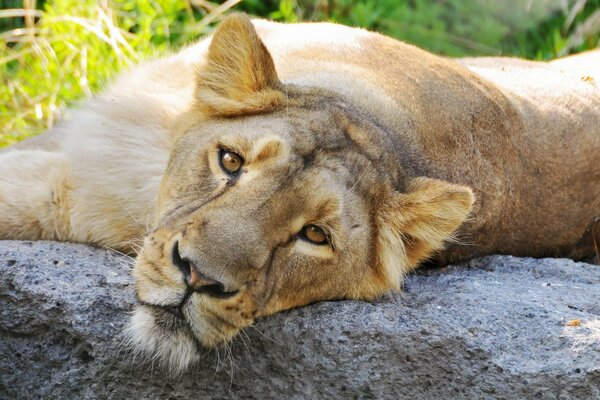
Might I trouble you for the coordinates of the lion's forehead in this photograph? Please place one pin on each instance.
(313, 132)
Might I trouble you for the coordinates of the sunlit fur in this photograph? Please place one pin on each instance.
(399, 155)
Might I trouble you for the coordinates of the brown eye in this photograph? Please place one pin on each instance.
(230, 161)
(314, 234)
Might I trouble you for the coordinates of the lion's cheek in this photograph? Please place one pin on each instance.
(216, 322)
(290, 297)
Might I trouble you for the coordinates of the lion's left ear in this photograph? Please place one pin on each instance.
(415, 224)
(239, 76)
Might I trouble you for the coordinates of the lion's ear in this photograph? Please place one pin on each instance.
(239, 75)
(413, 225)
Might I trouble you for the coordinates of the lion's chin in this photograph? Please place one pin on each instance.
(175, 344)
(162, 338)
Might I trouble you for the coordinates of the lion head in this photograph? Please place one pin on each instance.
(277, 196)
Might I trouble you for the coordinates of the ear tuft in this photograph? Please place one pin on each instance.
(415, 224)
(239, 76)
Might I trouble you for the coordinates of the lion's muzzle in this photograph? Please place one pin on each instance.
(184, 304)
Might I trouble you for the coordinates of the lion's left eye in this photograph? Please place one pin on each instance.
(314, 234)
(230, 162)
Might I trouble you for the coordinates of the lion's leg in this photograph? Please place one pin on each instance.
(34, 195)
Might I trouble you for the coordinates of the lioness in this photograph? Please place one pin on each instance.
(277, 165)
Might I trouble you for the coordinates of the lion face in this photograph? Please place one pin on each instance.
(274, 199)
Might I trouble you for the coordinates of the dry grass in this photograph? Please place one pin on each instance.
(72, 48)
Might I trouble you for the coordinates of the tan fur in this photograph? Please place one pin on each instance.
(413, 225)
(399, 155)
(239, 76)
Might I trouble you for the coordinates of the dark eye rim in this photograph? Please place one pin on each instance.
(302, 235)
(222, 151)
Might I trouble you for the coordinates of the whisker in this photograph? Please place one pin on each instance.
(136, 247)
(138, 222)
(229, 353)
(118, 252)
(246, 334)
(148, 223)
(218, 361)
(358, 180)
(264, 335)
(244, 341)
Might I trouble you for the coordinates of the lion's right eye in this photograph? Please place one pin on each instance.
(314, 234)
(230, 162)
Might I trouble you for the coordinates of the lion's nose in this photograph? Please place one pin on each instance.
(196, 281)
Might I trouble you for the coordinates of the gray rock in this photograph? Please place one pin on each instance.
(497, 327)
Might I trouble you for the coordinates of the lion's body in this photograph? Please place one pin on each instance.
(524, 136)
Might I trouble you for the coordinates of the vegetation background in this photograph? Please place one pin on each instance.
(55, 52)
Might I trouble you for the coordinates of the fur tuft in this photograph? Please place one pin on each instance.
(175, 351)
(414, 225)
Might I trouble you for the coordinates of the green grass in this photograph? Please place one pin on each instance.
(534, 29)
(71, 48)
(64, 50)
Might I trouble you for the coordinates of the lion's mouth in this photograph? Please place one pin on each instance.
(175, 311)
(168, 318)
(197, 316)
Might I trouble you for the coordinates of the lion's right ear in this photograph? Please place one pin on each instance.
(239, 76)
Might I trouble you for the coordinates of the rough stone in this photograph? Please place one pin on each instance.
(496, 327)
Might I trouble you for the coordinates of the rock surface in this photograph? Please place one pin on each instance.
(497, 327)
